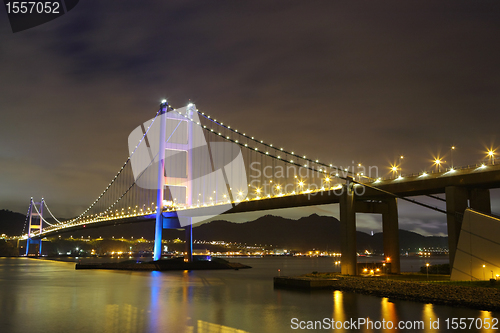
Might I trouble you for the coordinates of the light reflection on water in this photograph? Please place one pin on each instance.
(48, 296)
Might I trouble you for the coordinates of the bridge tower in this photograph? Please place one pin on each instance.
(169, 180)
(34, 223)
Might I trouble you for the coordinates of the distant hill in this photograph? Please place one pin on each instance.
(306, 233)
(11, 223)
(314, 231)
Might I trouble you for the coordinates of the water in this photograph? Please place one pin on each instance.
(49, 296)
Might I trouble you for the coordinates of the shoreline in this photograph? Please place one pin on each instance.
(176, 264)
(481, 298)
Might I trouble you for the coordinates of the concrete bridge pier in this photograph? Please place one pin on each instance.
(188, 257)
(458, 199)
(349, 206)
(480, 200)
(348, 231)
(390, 228)
(388, 207)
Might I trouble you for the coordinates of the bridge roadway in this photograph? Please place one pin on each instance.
(463, 188)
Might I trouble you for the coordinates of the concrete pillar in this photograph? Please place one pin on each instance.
(348, 232)
(189, 243)
(456, 203)
(480, 200)
(390, 228)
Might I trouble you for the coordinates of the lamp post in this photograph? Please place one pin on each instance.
(427, 267)
(401, 165)
(394, 169)
(451, 155)
(484, 274)
(491, 154)
(438, 164)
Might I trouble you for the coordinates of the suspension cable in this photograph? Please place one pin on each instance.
(27, 215)
(41, 217)
(120, 171)
(311, 161)
(52, 215)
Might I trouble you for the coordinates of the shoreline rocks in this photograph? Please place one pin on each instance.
(481, 298)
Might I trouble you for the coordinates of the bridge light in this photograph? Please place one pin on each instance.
(491, 154)
(437, 162)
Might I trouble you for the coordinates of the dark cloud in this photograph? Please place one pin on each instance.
(338, 81)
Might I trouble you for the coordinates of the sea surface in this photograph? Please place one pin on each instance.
(51, 296)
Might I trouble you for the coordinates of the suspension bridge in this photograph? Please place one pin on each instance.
(185, 167)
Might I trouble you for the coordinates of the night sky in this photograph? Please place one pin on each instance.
(362, 81)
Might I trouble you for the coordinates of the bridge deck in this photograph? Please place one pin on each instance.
(434, 183)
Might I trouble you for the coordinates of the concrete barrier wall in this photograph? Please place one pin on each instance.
(478, 250)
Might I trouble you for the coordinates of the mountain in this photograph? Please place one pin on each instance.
(306, 233)
(11, 223)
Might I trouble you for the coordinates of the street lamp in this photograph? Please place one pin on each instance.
(401, 165)
(438, 164)
(394, 169)
(427, 266)
(451, 155)
(301, 185)
(491, 154)
(484, 274)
